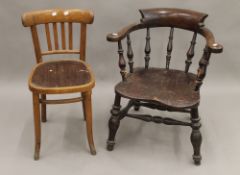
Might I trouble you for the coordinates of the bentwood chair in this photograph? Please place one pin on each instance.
(162, 88)
(62, 76)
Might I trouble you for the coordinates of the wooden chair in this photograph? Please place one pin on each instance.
(62, 76)
(162, 88)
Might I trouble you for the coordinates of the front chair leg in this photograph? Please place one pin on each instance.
(37, 125)
(88, 115)
(196, 137)
(114, 122)
(43, 109)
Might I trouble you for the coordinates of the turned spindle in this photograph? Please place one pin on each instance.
(169, 48)
(122, 62)
(147, 49)
(190, 52)
(130, 53)
(202, 70)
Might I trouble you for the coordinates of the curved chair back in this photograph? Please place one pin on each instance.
(58, 19)
(173, 18)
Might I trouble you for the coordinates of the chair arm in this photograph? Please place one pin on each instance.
(211, 44)
(114, 37)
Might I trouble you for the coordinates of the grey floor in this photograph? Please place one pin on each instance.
(142, 148)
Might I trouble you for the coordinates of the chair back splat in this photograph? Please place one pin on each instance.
(59, 23)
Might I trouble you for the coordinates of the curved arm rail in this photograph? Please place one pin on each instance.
(205, 32)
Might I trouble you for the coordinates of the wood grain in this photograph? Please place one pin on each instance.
(57, 15)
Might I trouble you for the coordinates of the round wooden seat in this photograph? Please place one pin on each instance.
(172, 88)
(61, 77)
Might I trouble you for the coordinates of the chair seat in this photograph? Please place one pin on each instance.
(172, 88)
(62, 76)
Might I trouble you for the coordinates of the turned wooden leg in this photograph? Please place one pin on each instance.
(88, 115)
(136, 106)
(84, 107)
(43, 109)
(37, 125)
(114, 122)
(196, 137)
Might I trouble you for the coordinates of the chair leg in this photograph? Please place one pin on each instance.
(196, 137)
(37, 125)
(84, 107)
(43, 109)
(137, 106)
(114, 122)
(88, 114)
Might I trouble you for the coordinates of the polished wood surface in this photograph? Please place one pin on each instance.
(60, 76)
(169, 17)
(171, 88)
(57, 15)
(164, 89)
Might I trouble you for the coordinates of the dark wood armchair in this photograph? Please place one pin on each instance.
(162, 88)
(62, 76)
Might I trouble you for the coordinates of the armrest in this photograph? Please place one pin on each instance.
(114, 37)
(211, 44)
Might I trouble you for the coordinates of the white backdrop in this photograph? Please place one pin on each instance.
(141, 147)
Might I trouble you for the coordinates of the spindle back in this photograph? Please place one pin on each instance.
(172, 18)
(57, 18)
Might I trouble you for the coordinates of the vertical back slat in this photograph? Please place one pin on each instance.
(63, 35)
(130, 53)
(190, 52)
(55, 32)
(36, 44)
(169, 48)
(70, 36)
(47, 30)
(147, 49)
(83, 42)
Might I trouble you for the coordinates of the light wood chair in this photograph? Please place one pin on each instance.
(62, 76)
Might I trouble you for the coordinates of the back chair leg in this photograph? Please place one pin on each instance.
(137, 106)
(114, 122)
(37, 125)
(84, 107)
(88, 114)
(196, 137)
(43, 109)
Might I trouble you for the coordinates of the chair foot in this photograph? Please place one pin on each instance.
(36, 155)
(44, 120)
(197, 159)
(137, 106)
(93, 150)
(110, 145)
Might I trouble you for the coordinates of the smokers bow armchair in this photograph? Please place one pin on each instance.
(162, 88)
